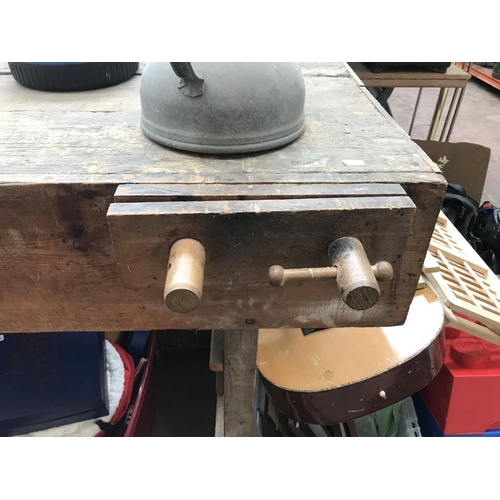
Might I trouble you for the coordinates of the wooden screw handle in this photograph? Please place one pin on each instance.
(185, 270)
(278, 276)
(356, 278)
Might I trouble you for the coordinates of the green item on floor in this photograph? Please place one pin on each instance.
(382, 423)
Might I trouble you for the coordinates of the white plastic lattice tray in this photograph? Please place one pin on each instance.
(464, 283)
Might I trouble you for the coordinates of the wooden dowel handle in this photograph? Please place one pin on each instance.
(355, 278)
(185, 270)
(279, 276)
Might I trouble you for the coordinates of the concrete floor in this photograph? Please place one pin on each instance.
(478, 122)
(185, 406)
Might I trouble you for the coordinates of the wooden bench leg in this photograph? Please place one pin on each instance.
(240, 353)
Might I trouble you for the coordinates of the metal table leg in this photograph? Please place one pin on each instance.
(415, 111)
(455, 114)
(438, 111)
(381, 95)
(384, 95)
(449, 114)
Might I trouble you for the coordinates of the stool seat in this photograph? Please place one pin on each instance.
(339, 374)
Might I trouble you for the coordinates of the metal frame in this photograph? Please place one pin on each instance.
(457, 106)
(451, 114)
(478, 73)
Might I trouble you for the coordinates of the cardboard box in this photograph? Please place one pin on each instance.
(462, 163)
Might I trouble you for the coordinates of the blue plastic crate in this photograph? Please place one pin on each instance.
(430, 428)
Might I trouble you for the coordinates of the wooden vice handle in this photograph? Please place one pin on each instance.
(185, 270)
(356, 278)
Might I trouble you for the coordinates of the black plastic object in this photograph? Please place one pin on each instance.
(496, 71)
(307, 331)
(480, 225)
(461, 209)
(436, 67)
(485, 236)
(73, 76)
(487, 226)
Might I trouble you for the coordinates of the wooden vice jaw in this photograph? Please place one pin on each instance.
(356, 278)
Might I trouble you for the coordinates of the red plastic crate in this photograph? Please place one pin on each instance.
(144, 398)
(464, 398)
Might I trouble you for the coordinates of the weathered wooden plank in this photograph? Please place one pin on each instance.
(59, 271)
(96, 137)
(15, 97)
(79, 143)
(240, 353)
(96, 179)
(104, 305)
(219, 417)
(428, 199)
(243, 239)
(219, 383)
(127, 193)
(325, 69)
(217, 351)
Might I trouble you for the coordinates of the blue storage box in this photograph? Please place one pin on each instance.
(429, 427)
(51, 379)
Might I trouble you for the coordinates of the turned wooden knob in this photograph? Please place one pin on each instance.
(355, 277)
(185, 270)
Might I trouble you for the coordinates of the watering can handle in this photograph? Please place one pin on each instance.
(191, 84)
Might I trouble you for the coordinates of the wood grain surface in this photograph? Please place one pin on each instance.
(217, 351)
(243, 239)
(240, 353)
(127, 193)
(62, 157)
(95, 136)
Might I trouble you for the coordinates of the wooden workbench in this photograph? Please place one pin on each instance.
(63, 156)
